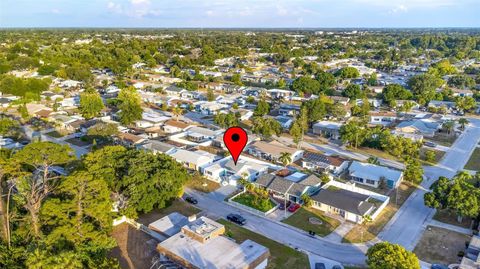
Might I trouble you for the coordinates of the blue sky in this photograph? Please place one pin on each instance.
(239, 13)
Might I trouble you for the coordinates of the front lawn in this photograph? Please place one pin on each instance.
(474, 161)
(438, 156)
(440, 245)
(177, 205)
(56, 134)
(443, 139)
(281, 256)
(202, 184)
(449, 217)
(256, 202)
(363, 233)
(305, 219)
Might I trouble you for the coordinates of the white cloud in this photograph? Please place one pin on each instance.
(398, 9)
(282, 11)
(140, 2)
(55, 11)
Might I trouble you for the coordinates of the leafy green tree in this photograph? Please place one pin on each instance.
(393, 92)
(236, 79)
(326, 80)
(262, 109)
(8, 127)
(353, 133)
(463, 122)
(430, 156)
(79, 213)
(130, 106)
(316, 109)
(448, 126)
(226, 120)
(467, 103)
(41, 157)
(347, 72)
(461, 81)
(90, 103)
(424, 87)
(442, 68)
(103, 129)
(392, 256)
(285, 158)
(413, 171)
(296, 132)
(266, 127)
(306, 85)
(353, 91)
(210, 95)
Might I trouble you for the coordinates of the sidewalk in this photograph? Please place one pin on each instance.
(340, 232)
(450, 227)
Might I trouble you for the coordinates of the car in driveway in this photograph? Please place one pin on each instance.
(430, 144)
(191, 200)
(320, 265)
(439, 266)
(293, 207)
(282, 205)
(236, 218)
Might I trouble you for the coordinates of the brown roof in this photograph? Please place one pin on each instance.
(130, 137)
(43, 113)
(178, 124)
(383, 113)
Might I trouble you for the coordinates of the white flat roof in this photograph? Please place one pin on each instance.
(219, 252)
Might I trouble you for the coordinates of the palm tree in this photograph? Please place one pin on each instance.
(448, 126)
(373, 160)
(285, 158)
(177, 111)
(463, 122)
(366, 220)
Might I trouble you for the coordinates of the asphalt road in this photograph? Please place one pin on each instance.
(344, 253)
(406, 227)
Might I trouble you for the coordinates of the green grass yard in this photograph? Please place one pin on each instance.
(250, 201)
(281, 256)
(301, 220)
(474, 161)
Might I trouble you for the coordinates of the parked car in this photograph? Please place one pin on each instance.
(320, 265)
(236, 218)
(293, 207)
(439, 266)
(191, 200)
(430, 144)
(282, 205)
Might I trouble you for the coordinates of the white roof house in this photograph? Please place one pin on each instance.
(226, 171)
(371, 174)
(195, 160)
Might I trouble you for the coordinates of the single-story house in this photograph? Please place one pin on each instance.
(157, 147)
(352, 206)
(272, 151)
(329, 129)
(194, 160)
(317, 161)
(173, 126)
(424, 127)
(372, 175)
(128, 139)
(225, 170)
(382, 118)
(281, 187)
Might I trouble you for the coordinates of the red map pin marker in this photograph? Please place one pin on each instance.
(235, 139)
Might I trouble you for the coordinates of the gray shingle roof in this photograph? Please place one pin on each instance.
(352, 202)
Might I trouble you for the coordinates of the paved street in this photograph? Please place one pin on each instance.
(404, 228)
(344, 253)
(407, 225)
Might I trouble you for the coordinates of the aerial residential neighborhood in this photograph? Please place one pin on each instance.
(352, 147)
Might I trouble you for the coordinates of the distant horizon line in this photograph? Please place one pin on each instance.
(246, 28)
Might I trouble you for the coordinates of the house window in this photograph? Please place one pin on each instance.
(371, 182)
(357, 179)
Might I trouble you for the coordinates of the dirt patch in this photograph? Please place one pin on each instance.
(135, 248)
(440, 245)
